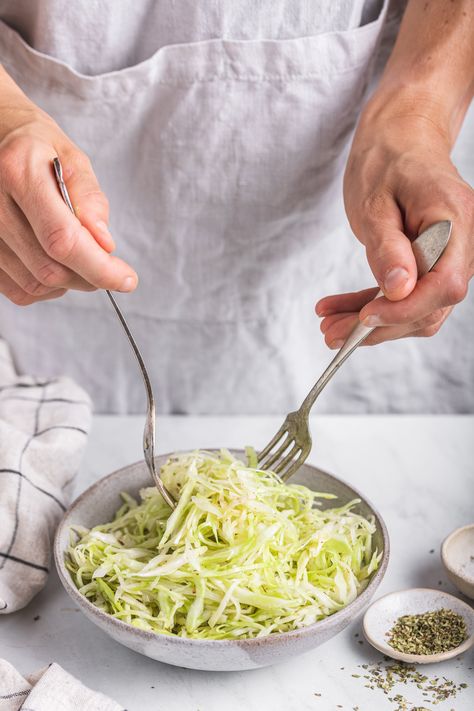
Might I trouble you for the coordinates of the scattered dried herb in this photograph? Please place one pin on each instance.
(428, 633)
(386, 675)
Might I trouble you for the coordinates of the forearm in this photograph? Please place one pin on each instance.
(16, 109)
(430, 73)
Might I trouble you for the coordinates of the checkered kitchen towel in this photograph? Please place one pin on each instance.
(51, 689)
(43, 431)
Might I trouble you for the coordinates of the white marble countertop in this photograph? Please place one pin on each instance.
(418, 472)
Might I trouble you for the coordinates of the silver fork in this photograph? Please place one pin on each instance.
(149, 430)
(291, 445)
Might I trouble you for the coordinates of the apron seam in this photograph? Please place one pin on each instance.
(250, 79)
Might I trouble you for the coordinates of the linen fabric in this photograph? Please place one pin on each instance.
(99, 36)
(43, 431)
(50, 689)
(221, 149)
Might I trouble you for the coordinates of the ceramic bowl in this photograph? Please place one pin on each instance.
(98, 505)
(457, 554)
(384, 612)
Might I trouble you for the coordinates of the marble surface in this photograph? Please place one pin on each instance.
(418, 471)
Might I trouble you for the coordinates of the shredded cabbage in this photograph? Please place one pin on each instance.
(242, 555)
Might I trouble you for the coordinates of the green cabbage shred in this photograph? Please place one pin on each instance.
(242, 555)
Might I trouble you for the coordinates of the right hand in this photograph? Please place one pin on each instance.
(44, 248)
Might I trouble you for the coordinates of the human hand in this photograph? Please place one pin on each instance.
(44, 248)
(399, 180)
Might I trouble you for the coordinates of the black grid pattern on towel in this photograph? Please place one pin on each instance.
(7, 555)
(45, 401)
(24, 562)
(15, 693)
(15, 386)
(35, 486)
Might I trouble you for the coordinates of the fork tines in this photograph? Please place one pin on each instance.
(281, 452)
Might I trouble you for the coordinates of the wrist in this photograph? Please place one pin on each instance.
(429, 73)
(16, 109)
(20, 120)
(414, 112)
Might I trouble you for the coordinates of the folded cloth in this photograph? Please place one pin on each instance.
(51, 689)
(43, 431)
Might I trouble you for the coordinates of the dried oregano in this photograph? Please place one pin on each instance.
(387, 676)
(428, 633)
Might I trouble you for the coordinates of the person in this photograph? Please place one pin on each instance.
(219, 134)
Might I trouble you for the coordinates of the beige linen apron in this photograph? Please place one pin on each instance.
(222, 161)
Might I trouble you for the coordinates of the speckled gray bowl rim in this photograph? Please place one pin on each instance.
(445, 554)
(418, 658)
(359, 602)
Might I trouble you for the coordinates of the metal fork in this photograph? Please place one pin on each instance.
(149, 430)
(291, 445)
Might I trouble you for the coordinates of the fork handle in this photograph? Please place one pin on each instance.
(358, 334)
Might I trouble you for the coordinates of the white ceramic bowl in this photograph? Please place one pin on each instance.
(457, 554)
(384, 612)
(98, 505)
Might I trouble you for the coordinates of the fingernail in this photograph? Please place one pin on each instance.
(395, 278)
(336, 344)
(373, 320)
(128, 284)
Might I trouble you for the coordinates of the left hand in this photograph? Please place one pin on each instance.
(399, 180)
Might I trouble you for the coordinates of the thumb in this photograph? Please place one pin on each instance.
(391, 260)
(89, 202)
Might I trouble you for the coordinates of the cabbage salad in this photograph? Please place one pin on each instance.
(242, 555)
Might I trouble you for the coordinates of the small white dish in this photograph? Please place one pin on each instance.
(457, 554)
(384, 612)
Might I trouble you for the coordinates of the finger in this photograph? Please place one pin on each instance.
(339, 330)
(433, 329)
(19, 296)
(19, 239)
(90, 204)
(429, 328)
(389, 251)
(16, 270)
(449, 198)
(445, 285)
(345, 302)
(328, 321)
(442, 195)
(63, 237)
(336, 332)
